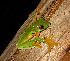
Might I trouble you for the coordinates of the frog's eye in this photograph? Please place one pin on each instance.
(41, 27)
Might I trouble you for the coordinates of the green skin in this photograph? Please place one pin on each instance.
(34, 27)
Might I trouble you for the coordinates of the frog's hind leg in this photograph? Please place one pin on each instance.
(50, 42)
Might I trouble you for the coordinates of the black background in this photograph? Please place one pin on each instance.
(13, 14)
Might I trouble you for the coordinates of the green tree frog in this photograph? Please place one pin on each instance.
(24, 41)
(35, 28)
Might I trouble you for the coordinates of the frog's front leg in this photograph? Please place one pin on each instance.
(37, 44)
(37, 34)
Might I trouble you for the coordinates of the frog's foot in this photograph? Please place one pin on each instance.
(38, 11)
(37, 44)
(50, 42)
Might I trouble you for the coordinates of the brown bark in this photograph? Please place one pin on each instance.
(60, 28)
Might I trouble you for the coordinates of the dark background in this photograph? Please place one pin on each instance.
(13, 14)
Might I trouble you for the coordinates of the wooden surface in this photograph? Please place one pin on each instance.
(60, 28)
(66, 57)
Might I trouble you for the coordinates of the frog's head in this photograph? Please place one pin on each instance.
(40, 25)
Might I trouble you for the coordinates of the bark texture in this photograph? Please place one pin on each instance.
(57, 13)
